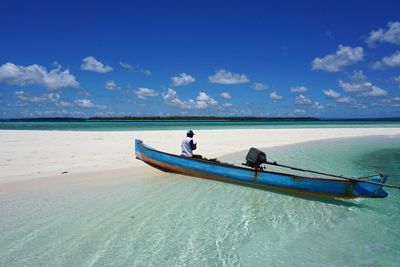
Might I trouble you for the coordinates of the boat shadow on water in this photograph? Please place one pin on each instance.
(315, 198)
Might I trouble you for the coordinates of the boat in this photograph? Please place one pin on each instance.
(255, 175)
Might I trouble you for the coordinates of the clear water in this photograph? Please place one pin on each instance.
(160, 219)
(179, 125)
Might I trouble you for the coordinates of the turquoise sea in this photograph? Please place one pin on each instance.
(145, 217)
(179, 125)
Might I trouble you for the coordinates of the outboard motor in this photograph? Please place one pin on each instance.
(255, 158)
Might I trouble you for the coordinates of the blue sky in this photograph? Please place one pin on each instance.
(224, 58)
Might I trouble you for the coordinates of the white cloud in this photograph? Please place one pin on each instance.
(300, 111)
(145, 72)
(397, 79)
(344, 56)
(298, 89)
(126, 65)
(344, 100)
(65, 103)
(25, 97)
(172, 99)
(388, 62)
(143, 93)
(389, 35)
(196, 104)
(394, 102)
(318, 105)
(203, 97)
(131, 68)
(55, 97)
(108, 114)
(301, 100)
(259, 86)
(182, 79)
(111, 85)
(331, 93)
(51, 113)
(202, 100)
(347, 100)
(227, 105)
(375, 91)
(52, 97)
(92, 64)
(36, 75)
(226, 77)
(206, 98)
(226, 95)
(275, 96)
(87, 103)
(360, 84)
(170, 95)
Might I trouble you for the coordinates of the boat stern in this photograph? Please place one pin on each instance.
(372, 190)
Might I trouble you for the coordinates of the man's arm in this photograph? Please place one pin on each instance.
(193, 146)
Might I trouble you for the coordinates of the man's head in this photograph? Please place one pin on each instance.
(190, 133)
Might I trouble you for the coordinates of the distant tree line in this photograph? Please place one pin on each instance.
(193, 118)
(202, 118)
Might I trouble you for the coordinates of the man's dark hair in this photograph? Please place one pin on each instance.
(190, 134)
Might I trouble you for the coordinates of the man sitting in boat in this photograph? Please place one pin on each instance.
(188, 146)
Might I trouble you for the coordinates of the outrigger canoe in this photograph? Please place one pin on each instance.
(343, 187)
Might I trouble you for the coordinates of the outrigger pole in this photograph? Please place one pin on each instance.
(274, 163)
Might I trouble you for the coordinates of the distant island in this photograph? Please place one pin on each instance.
(202, 118)
(193, 118)
(169, 118)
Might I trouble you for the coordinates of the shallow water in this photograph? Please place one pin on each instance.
(166, 219)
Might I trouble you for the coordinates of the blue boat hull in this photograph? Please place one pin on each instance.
(339, 188)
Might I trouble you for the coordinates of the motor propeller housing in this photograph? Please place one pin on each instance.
(255, 158)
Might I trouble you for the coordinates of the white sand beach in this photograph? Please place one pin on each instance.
(34, 154)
